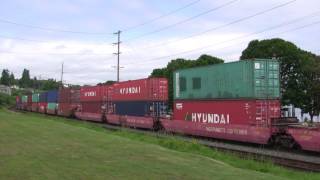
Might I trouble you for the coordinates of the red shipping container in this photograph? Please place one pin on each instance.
(248, 112)
(92, 93)
(29, 103)
(34, 107)
(239, 120)
(150, 89)
(67, 109)
(68, 95)
(91, 111)
(306, 137)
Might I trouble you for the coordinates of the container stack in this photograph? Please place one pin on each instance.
(43, 103)
(52, 99)
(29, 102)
(91, 103)
(24, 102)
(18, 102)
(69, 101)
(138, 103)
(35, 102)
(232, 88)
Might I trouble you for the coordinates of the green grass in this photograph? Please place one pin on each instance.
(34, 146)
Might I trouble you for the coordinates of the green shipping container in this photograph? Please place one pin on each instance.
(256, 78)
(52, 106)
(24, 99)
(35, 97)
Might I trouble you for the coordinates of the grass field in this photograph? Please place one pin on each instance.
(34, 146)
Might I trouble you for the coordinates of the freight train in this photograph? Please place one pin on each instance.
(237, 101)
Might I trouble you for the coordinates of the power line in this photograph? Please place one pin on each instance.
(51, 29)
(224, 25)
(161, 16)
(241, 37)
(62, 54)
(185, 20)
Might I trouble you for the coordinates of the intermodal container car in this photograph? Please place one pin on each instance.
(239, 120)
(150, 89)
(256, 79)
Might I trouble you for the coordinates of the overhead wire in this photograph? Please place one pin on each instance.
(161, 16)
(224, 25)
(184, 21)
(240, 37)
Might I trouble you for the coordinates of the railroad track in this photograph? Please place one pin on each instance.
(291, 160)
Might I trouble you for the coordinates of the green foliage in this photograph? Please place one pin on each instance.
(6, 100)
(5, 77)
(25, 81)
(12, 80)
(109, 82)
(297, 70)
(49, 84)
(176, 64)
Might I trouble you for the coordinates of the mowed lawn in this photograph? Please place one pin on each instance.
(39, 147)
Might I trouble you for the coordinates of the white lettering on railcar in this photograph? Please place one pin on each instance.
(90, 94)
(211, 118)
(130, 90)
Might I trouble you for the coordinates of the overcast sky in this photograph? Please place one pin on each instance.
(40, 34)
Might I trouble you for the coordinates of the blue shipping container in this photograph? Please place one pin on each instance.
(140, 108)
(43, 97)
(52, 96)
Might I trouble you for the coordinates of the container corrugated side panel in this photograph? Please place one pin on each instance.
(254, 112)
(24, 99)
(52, 96)
(222, 81)
(43, 97)
(35, 97)
(91, 107)
(51, 106)
(266, 78)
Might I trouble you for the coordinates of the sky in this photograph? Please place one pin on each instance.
(40, 35)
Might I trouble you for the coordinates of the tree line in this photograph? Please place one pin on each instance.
(299, 77)
(26, 81)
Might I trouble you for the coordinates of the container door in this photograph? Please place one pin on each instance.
(273, 79)
(260, 79)
(266, 110)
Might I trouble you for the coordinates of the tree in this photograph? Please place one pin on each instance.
(310, 85)
(182, 64)
(50, 84)
(5, 77)
(25, 81)
(12, 80)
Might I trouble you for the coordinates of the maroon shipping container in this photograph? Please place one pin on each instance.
(151, 89)
(92, 111)
(43, 107)
(67, 109)
(68, 95)
(29, 103)
(34, 107)
(239, 120)
(92, 93)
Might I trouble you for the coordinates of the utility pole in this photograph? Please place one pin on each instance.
(62, 75)
(118, 53)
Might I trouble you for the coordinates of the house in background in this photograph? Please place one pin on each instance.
(5, 89)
